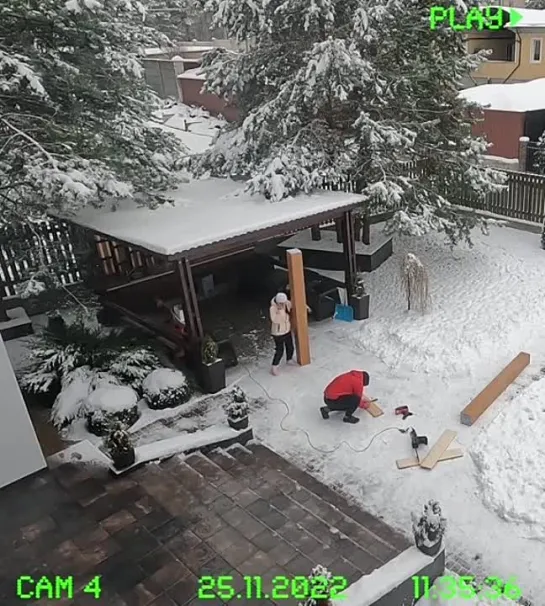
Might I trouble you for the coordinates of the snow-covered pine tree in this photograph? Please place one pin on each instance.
(74, 108)
(178, 19)
(330, 89)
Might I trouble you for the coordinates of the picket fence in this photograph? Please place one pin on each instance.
(523, 198)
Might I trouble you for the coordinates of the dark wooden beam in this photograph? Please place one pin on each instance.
(190, 303)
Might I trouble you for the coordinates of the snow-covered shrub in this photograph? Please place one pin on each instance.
(238, 395)
(429, 528)
(81, 341)
(69, 404)
(414, 279)
(209, 350)
(110, 404)
(165, 388)
(325, 576)
(359, 286)
(236, 410)
(119, 445)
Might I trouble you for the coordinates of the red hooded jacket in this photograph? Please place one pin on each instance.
(347, 384)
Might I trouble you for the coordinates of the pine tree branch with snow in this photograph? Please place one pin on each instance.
(337, 89)
(74, 108)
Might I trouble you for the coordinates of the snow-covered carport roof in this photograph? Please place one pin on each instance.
(210, 216)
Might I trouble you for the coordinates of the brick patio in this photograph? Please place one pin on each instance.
(152, 533)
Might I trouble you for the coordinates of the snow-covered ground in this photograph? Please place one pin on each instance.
(488, 305)
(194, 126)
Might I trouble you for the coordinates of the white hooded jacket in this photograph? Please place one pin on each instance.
(280, 318)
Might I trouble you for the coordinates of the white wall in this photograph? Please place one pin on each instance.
(20, 452)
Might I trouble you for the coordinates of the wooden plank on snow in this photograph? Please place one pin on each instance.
(453, 453)
(494, 389)
(438, 449)
(375, 410)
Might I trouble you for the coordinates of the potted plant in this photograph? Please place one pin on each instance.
(237, 410)
(212, 368)
(119, 446)
(318, 578)
(429, 529)
(359, 301)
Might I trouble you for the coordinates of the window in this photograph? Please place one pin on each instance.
(535, 50)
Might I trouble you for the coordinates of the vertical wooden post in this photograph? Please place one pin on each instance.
(299, 302)
(349, 251)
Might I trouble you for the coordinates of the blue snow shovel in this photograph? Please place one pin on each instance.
(343, 312)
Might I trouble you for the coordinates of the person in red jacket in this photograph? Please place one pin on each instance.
(345, 393)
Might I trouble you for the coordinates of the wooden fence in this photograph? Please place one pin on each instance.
(524, 198)
(21, 248)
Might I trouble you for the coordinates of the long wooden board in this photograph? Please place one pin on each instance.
(494, 389)
(438, 449)
(299, 301)
(453, 453)
(375, 410)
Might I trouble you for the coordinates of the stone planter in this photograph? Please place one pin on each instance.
(360, 305)
(123, 459)
(430, 550)
(238, 424)
(213, 376)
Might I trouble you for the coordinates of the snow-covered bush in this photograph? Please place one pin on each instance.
(209, 350)
(165, 388)
(97, 396)
(119, 445)
(325, 576)
(238, 395)
(429, 527)
(110, 404)
(236, 410)
(75, 386)
(81, 341)
(359, 286)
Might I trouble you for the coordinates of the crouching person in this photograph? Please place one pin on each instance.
(345, 394)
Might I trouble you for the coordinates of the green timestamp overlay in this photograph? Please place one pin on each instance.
(54, 587)
(282, 588)
(478, 18)
(465, 588)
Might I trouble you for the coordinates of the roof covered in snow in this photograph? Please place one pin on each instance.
(519, 97)
(207, 212)
(193, 74)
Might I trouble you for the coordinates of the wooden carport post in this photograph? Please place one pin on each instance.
(190, 303)
(349, 251)
(299, 303)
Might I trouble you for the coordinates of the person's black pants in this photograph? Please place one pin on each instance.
(346, 404)
(282, 343)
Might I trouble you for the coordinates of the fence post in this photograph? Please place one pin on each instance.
(523, 153)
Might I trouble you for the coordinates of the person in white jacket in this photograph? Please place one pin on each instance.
(279, 313)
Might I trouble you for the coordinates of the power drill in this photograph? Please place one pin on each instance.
(417, 441)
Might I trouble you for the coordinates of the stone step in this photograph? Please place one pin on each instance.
(306, 486)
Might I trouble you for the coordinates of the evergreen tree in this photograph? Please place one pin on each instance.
(177, 19)
(331, 89)
(74, 107)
